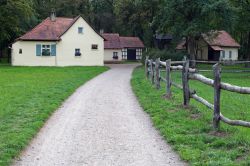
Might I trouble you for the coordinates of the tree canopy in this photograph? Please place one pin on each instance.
(14, 17)
(143, 18)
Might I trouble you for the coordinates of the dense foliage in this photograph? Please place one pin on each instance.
(164, 55)
(143, 18)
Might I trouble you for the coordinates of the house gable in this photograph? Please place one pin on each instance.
(86, 24)
(89, 44)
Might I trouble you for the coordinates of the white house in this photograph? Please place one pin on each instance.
(59, 41)
(118, 48)
(214, 46)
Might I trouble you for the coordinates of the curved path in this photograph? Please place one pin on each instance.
(101, 124)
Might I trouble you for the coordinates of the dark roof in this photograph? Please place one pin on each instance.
(163, 37)
(220, 38)
(114, 41)
(49, 30)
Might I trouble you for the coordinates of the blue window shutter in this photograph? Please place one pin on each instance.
(38, 50)
(53, 50)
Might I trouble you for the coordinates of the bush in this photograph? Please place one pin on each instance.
(164, 55)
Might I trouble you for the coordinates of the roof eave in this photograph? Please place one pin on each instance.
(112, 48)
(225, 46)
(38, 39)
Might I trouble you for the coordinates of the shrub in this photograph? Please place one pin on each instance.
(164, 55)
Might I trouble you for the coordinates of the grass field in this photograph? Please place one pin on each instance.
(28, 96)
(190, 131)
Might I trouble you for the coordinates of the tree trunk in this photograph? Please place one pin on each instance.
(248, 50)
(9, 55)
(1, 54)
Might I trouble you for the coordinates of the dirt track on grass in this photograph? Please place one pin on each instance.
(101, 124)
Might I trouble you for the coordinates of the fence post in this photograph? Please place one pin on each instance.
(157, 73)
(146, 68)
(168, 79)
(186, 95)
(152, 71)
(217, 92)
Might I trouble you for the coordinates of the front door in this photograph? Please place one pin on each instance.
(131, 54)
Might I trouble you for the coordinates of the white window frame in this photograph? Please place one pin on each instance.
(124, 53)
(138, 53)
(79, 51)
(94, 45)
(45, 47)
(80, 28)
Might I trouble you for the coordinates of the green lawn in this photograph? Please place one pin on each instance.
(190, 131)
(28, 96)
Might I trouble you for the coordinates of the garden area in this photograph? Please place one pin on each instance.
(28, 96)
(190, 131)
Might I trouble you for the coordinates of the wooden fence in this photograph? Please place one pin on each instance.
(153, 69)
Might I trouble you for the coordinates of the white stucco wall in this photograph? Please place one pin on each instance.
(203, 51)
(108, 54)
(65, 49)
(28, 56)
(227, 50)
(72, 40)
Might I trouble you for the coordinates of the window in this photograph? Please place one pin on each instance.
(46, 50)
(223, 54)
(124, 53)
(94, 47)
(230, 54)
(115, 55)
(77, 52)
(20, 51)
(80, 30)
(139, 53)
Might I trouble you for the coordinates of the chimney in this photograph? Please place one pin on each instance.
(101, 31)
(53, 15)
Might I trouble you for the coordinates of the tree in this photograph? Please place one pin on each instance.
(242, 26)
(102, 15)
(190, 19)
(14, 16)
(134, 17)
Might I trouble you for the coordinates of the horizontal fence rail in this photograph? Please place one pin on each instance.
(153, 71)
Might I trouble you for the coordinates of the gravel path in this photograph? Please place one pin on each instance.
(101, 124)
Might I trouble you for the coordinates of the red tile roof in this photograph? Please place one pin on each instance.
(114, 41)
(217, 48)
(131, 42)
(220, 38)
(49, 30)
(215, 39)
